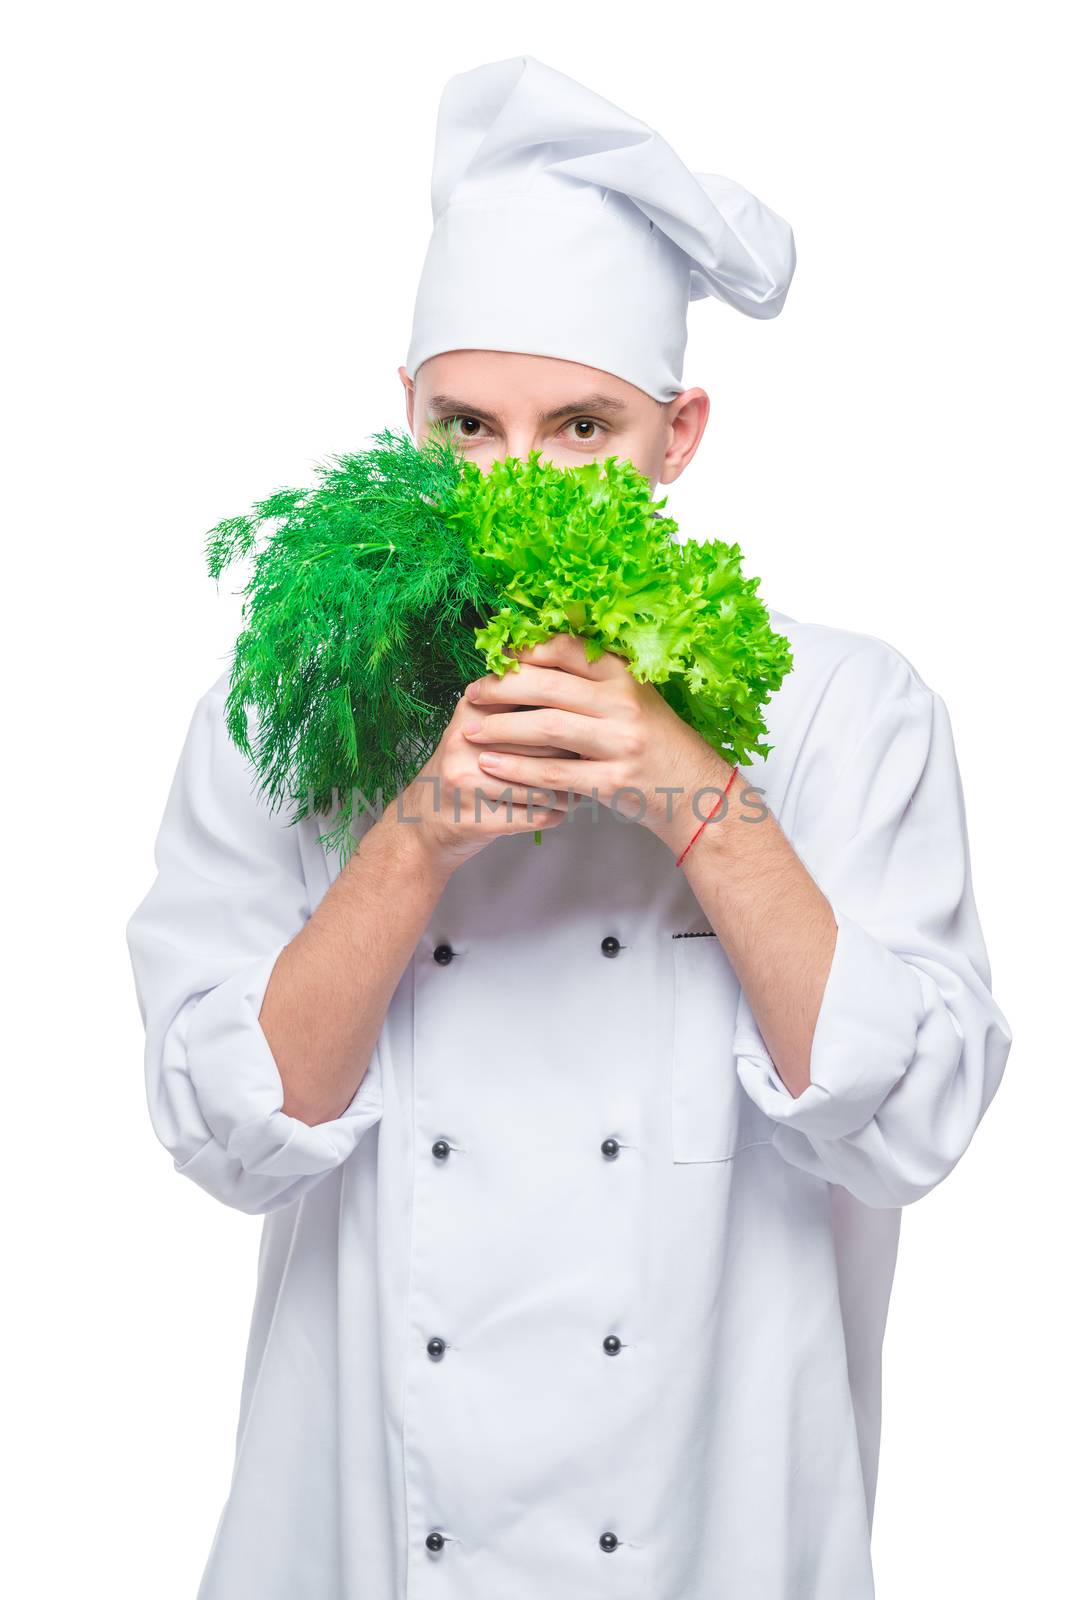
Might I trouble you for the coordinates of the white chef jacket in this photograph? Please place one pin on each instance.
(574, 1288)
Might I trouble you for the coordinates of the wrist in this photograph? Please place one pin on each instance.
(414, 840)
(703, 797)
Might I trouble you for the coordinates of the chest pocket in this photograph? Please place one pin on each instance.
(712, 1117)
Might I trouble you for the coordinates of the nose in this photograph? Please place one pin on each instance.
(518, 444)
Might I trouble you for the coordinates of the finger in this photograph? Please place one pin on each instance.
(535, 823)
(589, 737)
(531, 750)
(569, 651)
(492, 788)
(484, 714)
(463, 702)
(490, 796)
(463, 708)
(578, 777)
(530, 686)
(563, 651)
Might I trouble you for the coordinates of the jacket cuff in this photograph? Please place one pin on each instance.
(865, 1037)
(240, 1092)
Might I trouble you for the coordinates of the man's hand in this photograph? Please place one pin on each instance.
(635, 753)
(454, 807)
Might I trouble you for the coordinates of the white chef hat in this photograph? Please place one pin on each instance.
(565, 227)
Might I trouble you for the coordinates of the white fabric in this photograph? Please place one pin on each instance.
(565, 227)
(741, 1245)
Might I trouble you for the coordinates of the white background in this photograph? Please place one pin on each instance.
(217, 215)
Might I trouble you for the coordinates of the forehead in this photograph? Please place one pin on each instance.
(515, 384)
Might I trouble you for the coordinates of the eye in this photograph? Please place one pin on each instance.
(586, 422)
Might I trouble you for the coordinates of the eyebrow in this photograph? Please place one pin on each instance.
(446, 404)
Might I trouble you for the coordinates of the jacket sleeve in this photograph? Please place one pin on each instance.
(909, 1045)
(228, 896)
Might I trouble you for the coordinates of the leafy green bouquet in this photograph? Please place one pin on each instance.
(377, 595)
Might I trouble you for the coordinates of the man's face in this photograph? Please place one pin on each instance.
(504, 404)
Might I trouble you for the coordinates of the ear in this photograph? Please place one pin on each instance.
(409, 395)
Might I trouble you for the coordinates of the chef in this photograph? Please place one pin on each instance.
(580, 1164)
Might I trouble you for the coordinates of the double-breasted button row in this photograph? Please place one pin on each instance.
(444, 952)
(436, 1540)
(612, 1344)
(441, 1147)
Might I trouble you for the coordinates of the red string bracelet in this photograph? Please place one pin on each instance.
(715, 808)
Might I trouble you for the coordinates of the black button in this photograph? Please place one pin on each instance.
(610, 945)
(435, 1348)
(440, 1149)
(608, 1541)
(610, 1149)
(443, 954)
(612, 1344)
(435, 1541)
